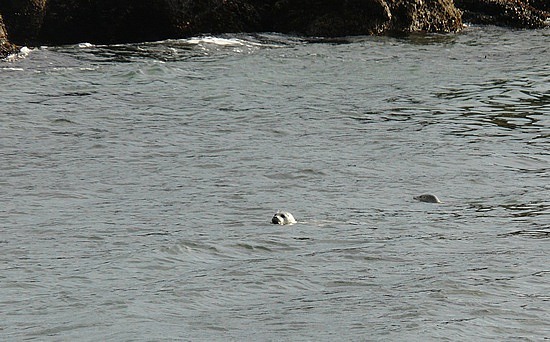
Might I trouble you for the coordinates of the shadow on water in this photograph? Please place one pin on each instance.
(528, 209)
(516, 210)
(535, 234)
(420, 38)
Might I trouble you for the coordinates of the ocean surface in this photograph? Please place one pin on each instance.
(138, 182)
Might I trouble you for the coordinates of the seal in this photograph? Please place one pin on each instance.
(283, 218)
(428, 198)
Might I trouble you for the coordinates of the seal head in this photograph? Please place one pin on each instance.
(283, 218)
(428, 198)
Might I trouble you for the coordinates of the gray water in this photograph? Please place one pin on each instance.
(137, 185)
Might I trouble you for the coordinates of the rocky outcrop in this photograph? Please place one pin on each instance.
(23, 18)
(360, 17)
(438, 16)
(5, 46)
(511, 13)
(37, 22)
(329, 18)
(189, 17)
(34, 22)
(104, 21)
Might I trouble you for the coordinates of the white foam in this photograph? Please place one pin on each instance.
(216, 41)
(23, 53)
(12, 69)
(85, 45)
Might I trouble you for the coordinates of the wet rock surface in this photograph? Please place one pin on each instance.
(512, 13)
(5, 46)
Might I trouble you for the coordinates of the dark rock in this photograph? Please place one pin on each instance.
(437, 16)
(5, 46)
(334, 18)
(23, 19)
(104, 21)
(329, 18)
(110, 21)
(35, 22)
(511, 13)
(191, 17)
(542, 5)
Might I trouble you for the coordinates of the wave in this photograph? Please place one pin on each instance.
(21, 54)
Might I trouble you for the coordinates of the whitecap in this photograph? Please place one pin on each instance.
(23, 53)
(12, 69)
(85, 45)
(215, 41)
